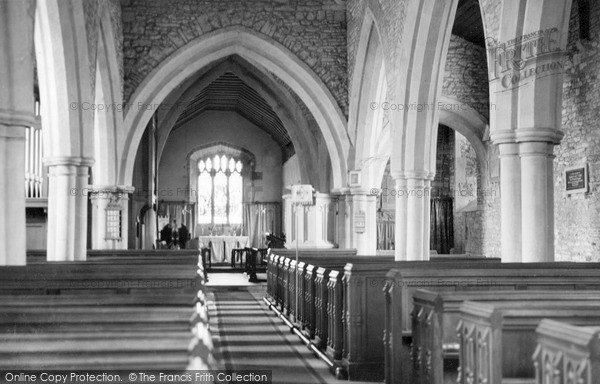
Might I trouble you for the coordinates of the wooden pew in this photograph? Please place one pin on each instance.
(282, 272)
(498, 341)
(462, 275)
(165, 255)
(566, 353)
(121, 276)
(275, 264)
(112, 311)
(436, 316)
(314, 314)
(313, 290)
(94, 350)
(402, 283)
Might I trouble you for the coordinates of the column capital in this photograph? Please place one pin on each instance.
(17, 118)
(69, 161)
(508, 149)
(127, 189)
(355, 191)
(423, 175)
(536, 148)
(541, 134)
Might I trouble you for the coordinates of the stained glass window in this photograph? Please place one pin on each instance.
(220, 190)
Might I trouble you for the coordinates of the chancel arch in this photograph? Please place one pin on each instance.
(278, 98)
(263, 53)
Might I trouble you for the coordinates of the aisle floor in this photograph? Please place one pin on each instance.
(248, 335)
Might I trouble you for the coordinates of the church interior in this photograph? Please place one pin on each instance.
(301, 191)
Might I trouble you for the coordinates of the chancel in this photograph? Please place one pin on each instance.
(398, 191)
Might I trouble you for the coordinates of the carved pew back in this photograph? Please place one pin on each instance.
(498, 341)
(436, 316)
(365, 309)
(566, 353)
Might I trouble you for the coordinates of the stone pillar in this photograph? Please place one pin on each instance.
(81, 209)
(103, 198)
(16, 113)
(343, 236)
(67, 208)
(527, 196)
(510, 202)
(400, 229)
(413, 197)
(150, 231)
(417, 219)
(537, 222)
(361, 222)
(12, 195)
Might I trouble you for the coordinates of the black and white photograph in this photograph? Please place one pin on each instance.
(300, 191)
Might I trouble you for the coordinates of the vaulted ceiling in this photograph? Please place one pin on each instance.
(229, 93)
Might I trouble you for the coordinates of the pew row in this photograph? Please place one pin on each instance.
(111, 277)
(115, 311)
(566, 353)
(497, 341)
(436, 316)
(401, 283)
(321, 294)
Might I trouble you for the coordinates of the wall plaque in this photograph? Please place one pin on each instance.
(360, 222)
(576, 179)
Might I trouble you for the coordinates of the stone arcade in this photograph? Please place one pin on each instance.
(453, 147)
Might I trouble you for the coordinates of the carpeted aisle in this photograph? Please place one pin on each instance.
(249, 336)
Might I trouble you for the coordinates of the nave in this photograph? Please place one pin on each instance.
(247, 336)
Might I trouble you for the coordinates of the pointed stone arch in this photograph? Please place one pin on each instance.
(366, 121)
(67, 122)
(64, 79)
(276, 96)
(419, 73)
(263, 53)
(108, 118)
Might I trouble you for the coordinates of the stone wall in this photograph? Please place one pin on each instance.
(315, 30)
(220, 127)
(465, 77)
(577, 216)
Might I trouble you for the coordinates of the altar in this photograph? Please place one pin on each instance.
(221, 246)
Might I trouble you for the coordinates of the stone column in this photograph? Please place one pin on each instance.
(16, 113)
(400, 229)
(362, 222)
(417, 218)
(67, 208)
(537, 222)
(413, 197)
(81, 209)
(103, 198)
(343, 237)
(510, 202)
(12, 195)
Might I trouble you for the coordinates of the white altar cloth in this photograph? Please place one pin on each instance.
(221, 246)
